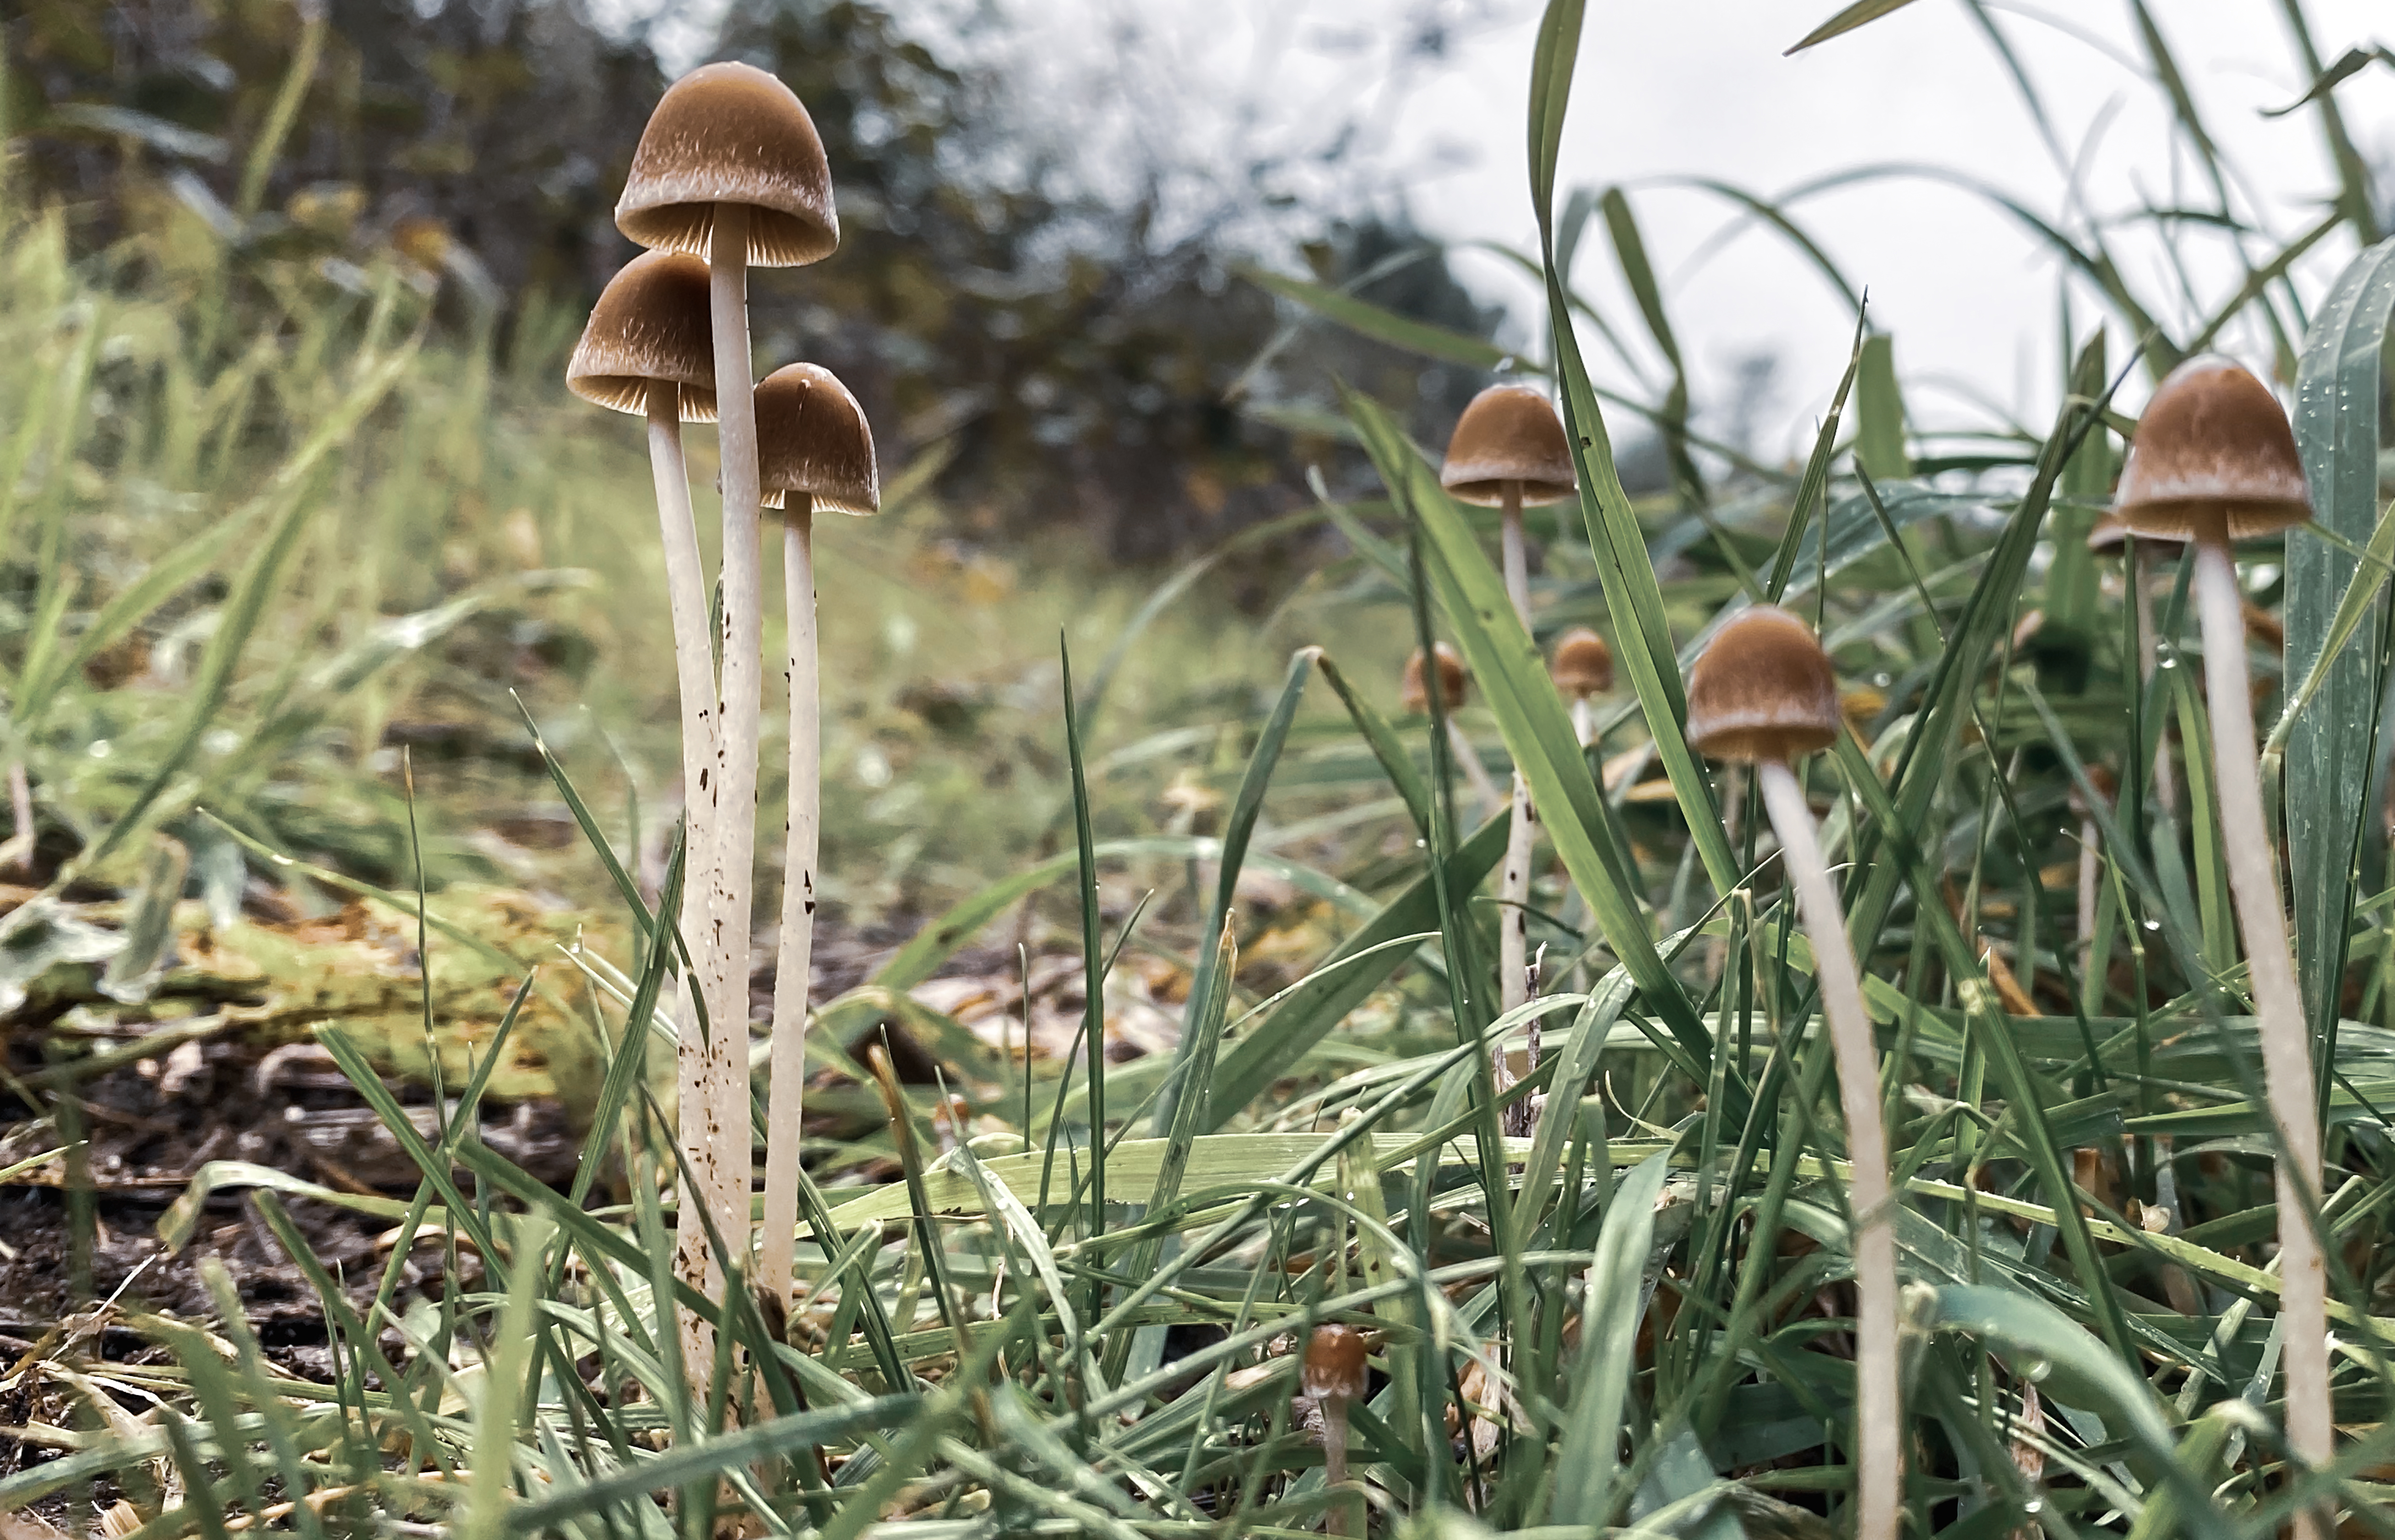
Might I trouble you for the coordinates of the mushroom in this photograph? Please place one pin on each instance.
(2213, 460)
(1333, 1378)
(646, 349)
(814, 451)
(1413, 694)
(729, 168)
(2112, 536)
(1509, 448)
(1764, 693)
(1583, 670)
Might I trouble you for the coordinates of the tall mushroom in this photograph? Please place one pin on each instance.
(1509, 449)
(2214, 461)
(647, 349)
(1764, 693)
(729, 168)
(1413, 694)
(1333, 1378)
(1583, 670)
(814, 451)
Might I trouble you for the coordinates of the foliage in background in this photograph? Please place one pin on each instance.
(1067, 349)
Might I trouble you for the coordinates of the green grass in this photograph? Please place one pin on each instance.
(1629, 1321)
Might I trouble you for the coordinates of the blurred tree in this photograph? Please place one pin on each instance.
(499, 128)
(1064, 334)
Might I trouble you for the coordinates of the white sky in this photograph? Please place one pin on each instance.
(1699, 88)
(1678, 88)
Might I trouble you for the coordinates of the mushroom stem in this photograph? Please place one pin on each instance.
(2089, 836)
(1878, 1418)
(1583, 715)
(733, 784)
(2277, 1007)
(797, 951)
(1335, 1458)
(1514, 878)
(695, 680)
(1474, 773)
(2141, 588)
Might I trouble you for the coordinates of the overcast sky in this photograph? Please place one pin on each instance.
(1701, 89)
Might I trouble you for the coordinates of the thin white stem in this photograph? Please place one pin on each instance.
(733, 781)
(1516, 556)
(2087, 892)
(695, 680)
(1584, 712)
(2277, 1007)
(2141, 585)
(1335, 1456)
(1476, 772)
(795, 960)
(1879, 1419)
(1522, 837)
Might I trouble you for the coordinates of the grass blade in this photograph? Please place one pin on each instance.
(2329, 748)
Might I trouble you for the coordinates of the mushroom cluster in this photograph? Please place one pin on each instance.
(730, 174)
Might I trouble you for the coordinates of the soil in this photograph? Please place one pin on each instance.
(247, 1094)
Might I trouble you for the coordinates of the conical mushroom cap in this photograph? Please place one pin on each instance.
(730, 133)
(1584, 664)
(650, 323)
(811, 438)
(1415, 695)
(1762, 690)
(1509, 434)
(2213, 451)
(1334, 1364)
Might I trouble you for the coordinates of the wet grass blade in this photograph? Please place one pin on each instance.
(1093, 957)
(1587, 1466)
(1861, 13)
(2329, 748)
(1246, 808)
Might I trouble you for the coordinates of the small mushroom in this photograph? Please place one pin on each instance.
(730, 167)
(1334, 1379)
(1509, 448)
(1764, 693)
(2214, 461)
(1413, 694)
(1583, 670)
(814, 451)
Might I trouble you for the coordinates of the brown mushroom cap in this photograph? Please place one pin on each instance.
(1509, 434)
(2212, 452)
(650, 323)
(811, 438)
(1584, 664)
(1334, 1364)
(1415, 697)
(1762, 690)
(730, 133)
